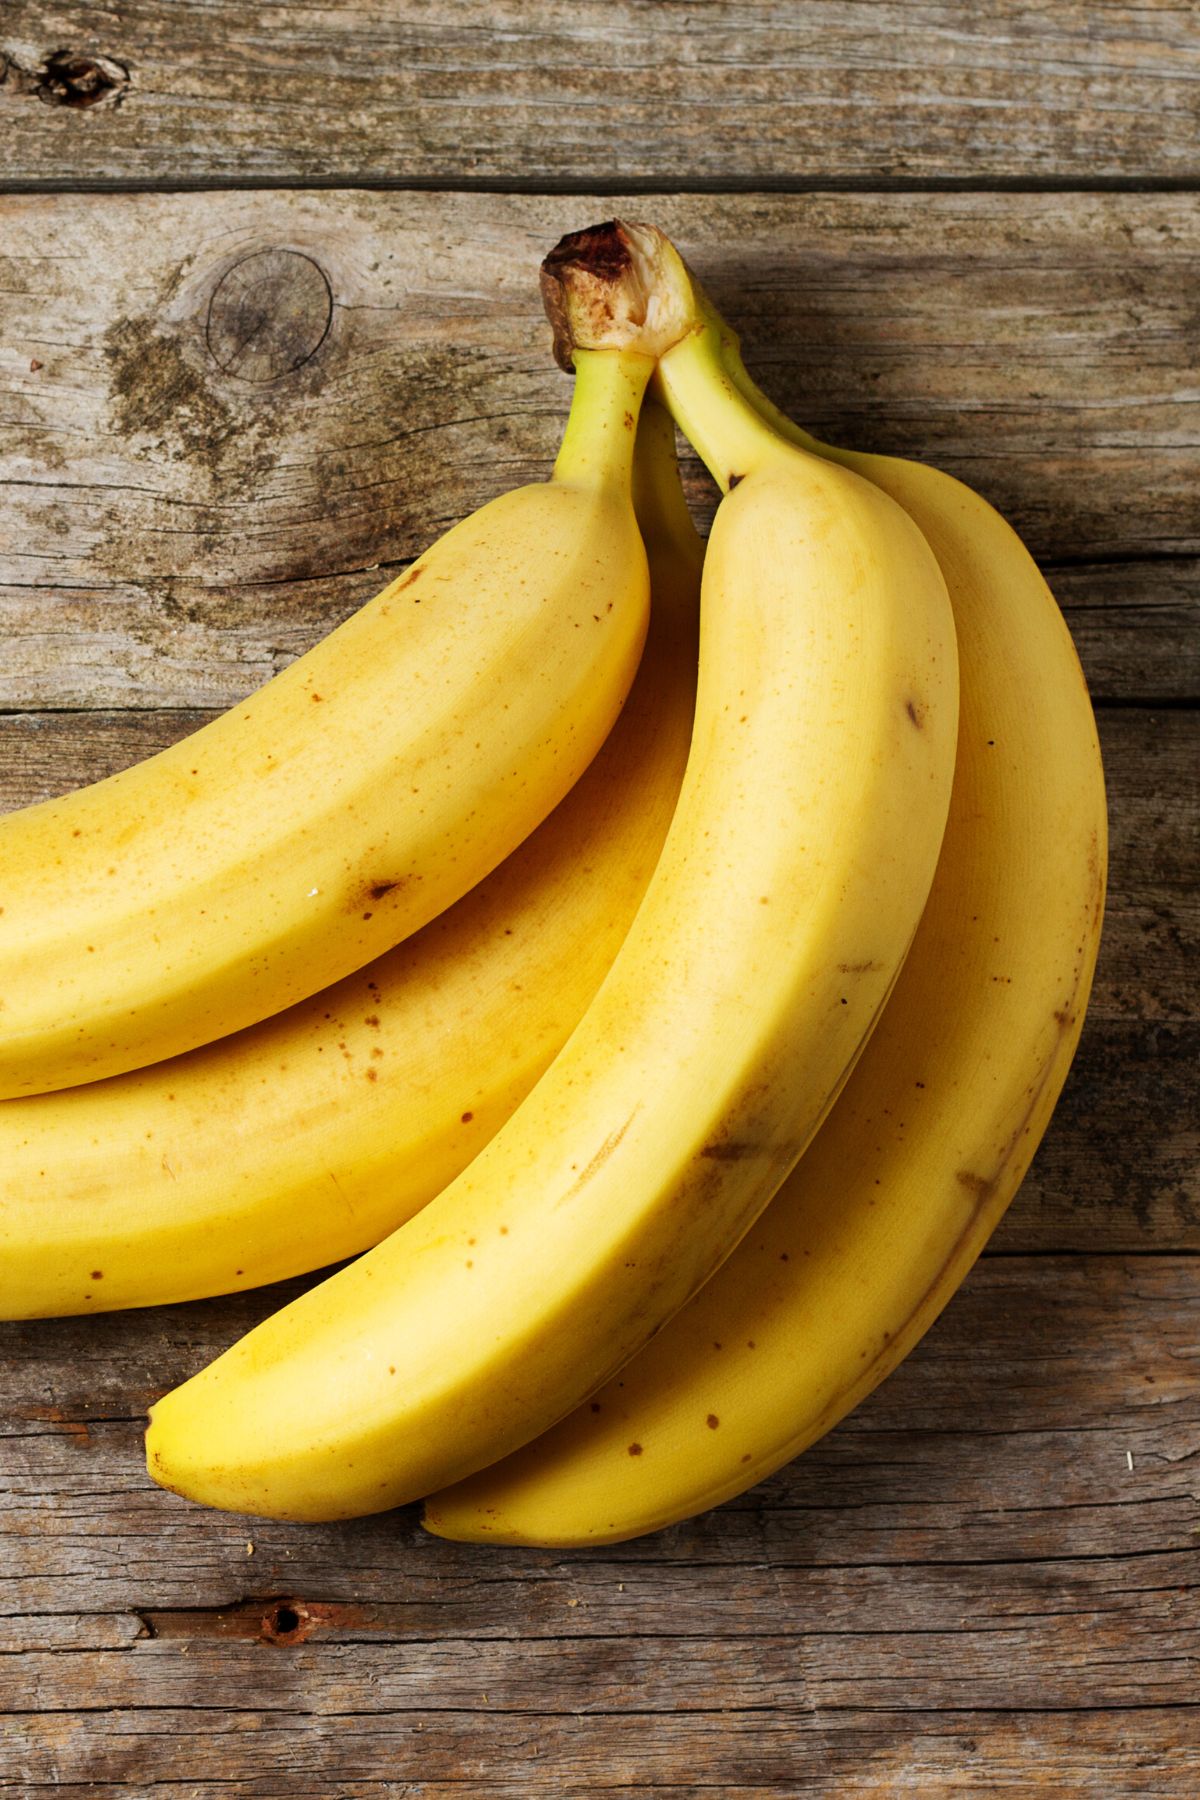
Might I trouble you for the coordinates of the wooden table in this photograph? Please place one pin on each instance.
(964, 234)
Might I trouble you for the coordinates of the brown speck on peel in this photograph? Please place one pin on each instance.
(916, 712)
(315, 696)
(372, 1019)
(733, 481)
(596, 1406)
(371, 1074)
(413, 575)
(629, 421)
(862, 968)
(731, 1151)
(467, 1117)
(97, 1275)
(378, 889)
(978, 1185)
(712, 1421)
(635, 1449)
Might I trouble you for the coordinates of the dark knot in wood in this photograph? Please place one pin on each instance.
(66, 79)
(270, 314)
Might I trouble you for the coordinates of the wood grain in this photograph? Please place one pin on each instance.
(187, 528)
(181, 525)
(250, 408)
(750, 91)
(1009, 1523)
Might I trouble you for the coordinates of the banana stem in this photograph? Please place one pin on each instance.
(744, 382)
(597, 446)
(658, 498)
(725, 428)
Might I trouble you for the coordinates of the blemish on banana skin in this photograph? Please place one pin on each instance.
(375, 891)
(601, 1156)
(731, 1150)
(916, 712)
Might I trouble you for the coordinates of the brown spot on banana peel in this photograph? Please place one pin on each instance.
(375, 890)
(916, 712)
(731, 1151)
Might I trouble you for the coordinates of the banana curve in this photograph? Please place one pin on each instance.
(163, 1185)
(876, 1228)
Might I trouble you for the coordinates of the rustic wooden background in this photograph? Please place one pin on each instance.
(268, 323)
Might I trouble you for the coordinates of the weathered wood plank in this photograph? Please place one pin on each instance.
(1005, 1439)
(751, 91)
(1095, 1183)
(972, 1542)
(177, 525)
(938, 1598)
(749, 1754)
(137, 644)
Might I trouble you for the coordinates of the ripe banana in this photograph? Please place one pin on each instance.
(876, 1228)
(307, 1138)
(792, 878)
(351, 799)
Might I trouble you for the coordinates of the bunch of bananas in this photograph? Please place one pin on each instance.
(665, 999)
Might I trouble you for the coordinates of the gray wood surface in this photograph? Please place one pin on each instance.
(669, 93)
(225, 419)
(996, 1549)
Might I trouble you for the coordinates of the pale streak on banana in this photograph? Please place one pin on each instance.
(347, 802)
(792, 878)
(309, 1137)
(872, 1234)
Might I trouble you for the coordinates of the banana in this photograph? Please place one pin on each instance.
(872, 1234)
(307, 1138)
(350, 800)
(791, 881)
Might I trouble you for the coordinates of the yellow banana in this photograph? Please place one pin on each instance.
(872, 1234)
(791, 881)
(308, 1137)
(351, 799)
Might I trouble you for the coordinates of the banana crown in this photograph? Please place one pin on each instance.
(616, 286)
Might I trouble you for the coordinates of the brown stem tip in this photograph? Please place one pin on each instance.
(616, 286)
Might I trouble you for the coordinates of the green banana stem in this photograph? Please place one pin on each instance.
(726, 428)
(622, 288)
(597, 446)
(658, 498)
(744, 382)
